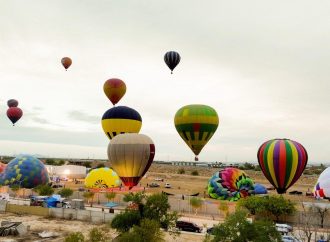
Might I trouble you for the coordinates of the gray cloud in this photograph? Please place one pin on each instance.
(84, 117)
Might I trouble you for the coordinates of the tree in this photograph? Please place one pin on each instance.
(124, 221)
(253, 204)
(75, 237)
(110, 195)
(65, 192)
(322, 211)
(97, 235)
(50, 161)
(149, 230)
(181, 171)
(60, 162)
(134, 197)
(196, 203)
(44, 190)
(307, 229)
(100, 165)
(194, 173)
(89, 196)
(278, 206)
(237, 229)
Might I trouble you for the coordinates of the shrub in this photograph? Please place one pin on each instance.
(195, 173)
(181, 171)
(75, 237)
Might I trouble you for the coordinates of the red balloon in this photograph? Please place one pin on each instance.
(114, 89)
(66, 62)
(14, 114)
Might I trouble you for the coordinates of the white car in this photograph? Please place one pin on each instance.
(283, 228)
(168, 185)
(288, 238)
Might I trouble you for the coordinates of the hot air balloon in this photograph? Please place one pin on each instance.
(322, 186)
(172, 59)
(2, 167)
(230, 184)
(66, 62)
(196, 124)
(103, 177)
(120, 120)
(26, 171)
(14, 114)
(282, 161)
(131, 156)
(115, 89)
(12, 103)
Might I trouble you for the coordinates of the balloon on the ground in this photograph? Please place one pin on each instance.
(172, 59)
(230, 184)
(196, 125)
(66, 62)
(282, 161)
(114, 89)
(260, 189)
(25, 171)
(102, 178)
(2, 167)
(322, 186)
(14, 114)
(12, 103)
(131, 156)
(120, 120)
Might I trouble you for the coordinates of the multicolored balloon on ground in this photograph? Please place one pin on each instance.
(114, 89)
(2, 167)
(102, 178)
(322, 186)
(26, 171)
(66, 62)
(131, 156)
(196, 125)
(172, 59)
(282, 161)
(12, 103)
(14, 114)
(230, 184)
(120, 120)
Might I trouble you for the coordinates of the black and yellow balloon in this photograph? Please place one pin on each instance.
(120, 120)
(196, 125)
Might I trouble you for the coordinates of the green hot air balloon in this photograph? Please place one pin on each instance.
(196, 124)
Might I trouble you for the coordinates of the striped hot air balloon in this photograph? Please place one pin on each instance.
(282, 161)
(120, 120)
(172, 59)
(196, 125)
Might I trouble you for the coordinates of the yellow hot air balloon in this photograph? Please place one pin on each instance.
(102, 178)
(131, 156)
(196, 125)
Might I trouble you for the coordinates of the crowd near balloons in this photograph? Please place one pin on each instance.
(131, 154)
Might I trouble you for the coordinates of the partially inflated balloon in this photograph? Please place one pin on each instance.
(322, 187)
(131, 156)
(196, 124)
(12, 103)
(172, 59)
(120, 120)
(2, 167)
(282, 161)
(14, 114)
(66, 62)
(103, 177)
(115, 89)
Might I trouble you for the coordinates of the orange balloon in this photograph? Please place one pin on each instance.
(115, 89)
(66, 62)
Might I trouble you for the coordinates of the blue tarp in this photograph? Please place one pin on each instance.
(111, 204)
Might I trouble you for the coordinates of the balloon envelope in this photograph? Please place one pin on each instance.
(26, 171)
(2, 167)
(102, 178)
(282, 161)
(12, 103)
(114, 89)
(196, 124)
(260, 189)
(14, 114)
(120, 120)
(172, 59)
(230, 184)
(66, 62)
(131, 156)
(322, 186)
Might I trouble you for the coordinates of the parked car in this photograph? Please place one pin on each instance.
(283, 228)
(288, 238)
(210, 230)
(57, 186)
(188, 226)
(154, 184)
(167, 185)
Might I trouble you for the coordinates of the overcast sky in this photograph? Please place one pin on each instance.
(263, 65)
